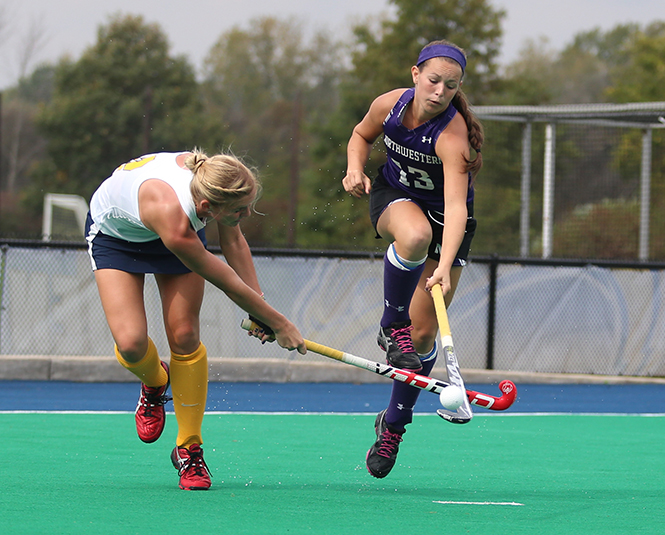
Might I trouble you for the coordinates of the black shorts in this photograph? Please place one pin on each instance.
(108, 252)
(383, 195)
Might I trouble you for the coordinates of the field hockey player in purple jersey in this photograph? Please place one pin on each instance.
(433, 144)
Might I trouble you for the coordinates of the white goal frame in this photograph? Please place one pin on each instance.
(76, 203)
(646, 116)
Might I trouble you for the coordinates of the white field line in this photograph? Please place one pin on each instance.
(478, 503)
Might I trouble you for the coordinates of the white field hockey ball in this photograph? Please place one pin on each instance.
(451, 397)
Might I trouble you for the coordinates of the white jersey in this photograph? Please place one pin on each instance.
(114, 207)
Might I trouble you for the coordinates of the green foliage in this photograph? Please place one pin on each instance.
(657, 215)
(38, 87)
(580, 73)
(641, 76)
(271, 88)
(530, 80)
(22, 147)
(124, 97)
(383, 62)
(498, 230)
(606, 230)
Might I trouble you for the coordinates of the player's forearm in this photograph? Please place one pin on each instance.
(224, 277)
(357, 152)
(239, 256)
(453, 234)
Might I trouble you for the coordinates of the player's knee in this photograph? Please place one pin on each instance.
(131, 348)
(415, 242)
(184, 339)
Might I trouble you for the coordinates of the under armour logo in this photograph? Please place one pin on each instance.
(398, 308)
(427, 140)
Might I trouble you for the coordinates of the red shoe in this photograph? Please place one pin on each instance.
(192, 469)
(150, 415)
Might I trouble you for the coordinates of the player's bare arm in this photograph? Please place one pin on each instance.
(452, 147)
(356, 182)
(238, 255)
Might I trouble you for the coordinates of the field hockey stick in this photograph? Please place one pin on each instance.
(464, 412)
(405, 376)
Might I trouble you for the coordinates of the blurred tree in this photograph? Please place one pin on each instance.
(634, 62)
(578, 74)
(23, 147)
(29, 45)
(381, 60)
(586, 64)
(641, 78)
(268, 85)
(606, 230)
(20, 144)
(530, 80)
(125, 96)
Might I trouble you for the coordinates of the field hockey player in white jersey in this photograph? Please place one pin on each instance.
(433, 144)
(149, 217)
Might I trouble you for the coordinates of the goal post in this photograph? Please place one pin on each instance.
(64, 216)
(592, 153)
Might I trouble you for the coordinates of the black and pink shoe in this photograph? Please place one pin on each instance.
(396, 341)
(382, 455)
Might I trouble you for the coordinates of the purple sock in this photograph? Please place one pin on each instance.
(398, 288)
(403, 400)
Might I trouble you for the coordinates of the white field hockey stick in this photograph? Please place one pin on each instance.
(405, 376)
(463, 414)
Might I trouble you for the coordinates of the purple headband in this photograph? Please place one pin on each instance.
(442, 51)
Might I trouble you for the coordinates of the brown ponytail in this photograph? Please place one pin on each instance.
(476, 133)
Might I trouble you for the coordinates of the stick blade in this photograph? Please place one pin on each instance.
(460, 416)
(464, 413)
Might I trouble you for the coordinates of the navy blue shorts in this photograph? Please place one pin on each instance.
(108, 252)
(382, 195)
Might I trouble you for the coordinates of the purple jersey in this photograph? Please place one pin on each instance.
(412, 163)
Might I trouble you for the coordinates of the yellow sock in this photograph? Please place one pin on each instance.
(189, 387)
(149, 369)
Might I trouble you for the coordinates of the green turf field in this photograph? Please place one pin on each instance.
(297, 474)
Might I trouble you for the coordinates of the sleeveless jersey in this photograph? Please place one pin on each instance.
(412, 163)
(114, 207)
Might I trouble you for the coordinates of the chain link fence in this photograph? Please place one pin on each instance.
(508, 314)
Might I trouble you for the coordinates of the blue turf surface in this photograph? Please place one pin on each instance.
(328, 397)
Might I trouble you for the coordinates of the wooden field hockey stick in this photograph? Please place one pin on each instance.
(405, 376)
(464, 413)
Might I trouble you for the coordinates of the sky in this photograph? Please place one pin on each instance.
(68, 27)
